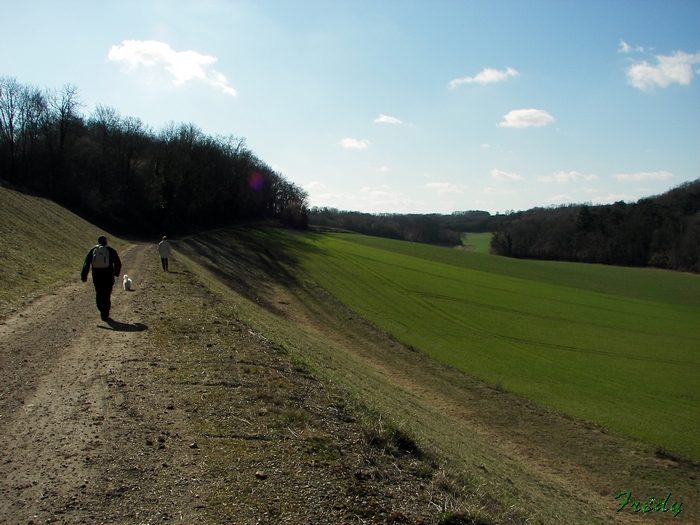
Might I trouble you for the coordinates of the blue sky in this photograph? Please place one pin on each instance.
(397, 106)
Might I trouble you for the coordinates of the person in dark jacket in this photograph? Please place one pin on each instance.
(106, 265)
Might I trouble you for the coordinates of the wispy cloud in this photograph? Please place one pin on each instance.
(494, 191)
(559, 198)
(669, 69)
(486, 76)
(183, 66)
(315, 185)
(332, 198)
(653, 175)
(383, 169)
(385, 197)
(626, 48)
(354, 143)
(615, 197)
(444, 188)
(525, 118)
(387, 119)
(563, 177)
(503, 175)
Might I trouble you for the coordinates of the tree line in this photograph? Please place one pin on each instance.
(406, 227)
(661, 231)
(434, 228)
(121, 174)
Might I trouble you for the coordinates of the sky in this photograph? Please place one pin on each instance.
(396, 106)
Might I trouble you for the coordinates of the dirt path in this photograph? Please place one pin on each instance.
(56, 363)
(176, 411)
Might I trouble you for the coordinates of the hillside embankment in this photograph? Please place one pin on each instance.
(234, 390)
(176, 410)
(521, 456)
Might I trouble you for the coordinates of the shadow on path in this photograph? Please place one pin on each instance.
(123, 327)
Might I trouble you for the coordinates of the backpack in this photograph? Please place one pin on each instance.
(100, 257)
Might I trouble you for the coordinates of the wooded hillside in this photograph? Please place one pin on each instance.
(662, 232)
(119, 173)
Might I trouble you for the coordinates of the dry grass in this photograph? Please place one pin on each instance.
(42, 245)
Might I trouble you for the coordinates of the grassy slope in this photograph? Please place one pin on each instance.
(301, 319)
(479, 241)
(351, 353)
(580, 351)
(41, 245)
(527, 458)
(639, 283)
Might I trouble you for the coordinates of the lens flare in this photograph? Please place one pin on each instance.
(256, 181)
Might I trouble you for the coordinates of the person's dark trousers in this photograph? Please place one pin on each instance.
(165, 263)
(104, 282)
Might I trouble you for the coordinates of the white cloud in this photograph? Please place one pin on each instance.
(669, 69)
(560, 198)
(333, 199)
(654, 175)
(444, 188)
(615, 197)
(354, 143)
(494, 191)
(385, 197)
(315, 185)
(525, 118)
(502, 175)
(387, 119)
(183, 65)
(484, 146)
(383, 169)
(626, 48)
(563, 177)
(484, 77)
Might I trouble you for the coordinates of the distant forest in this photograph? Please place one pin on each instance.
(432, 228)
(662, 231)
(121, 174)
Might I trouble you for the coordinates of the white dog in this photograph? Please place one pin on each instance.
(127, 283)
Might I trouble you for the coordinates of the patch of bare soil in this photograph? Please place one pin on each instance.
(176, 412)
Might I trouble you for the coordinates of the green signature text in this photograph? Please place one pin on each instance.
(649, 506)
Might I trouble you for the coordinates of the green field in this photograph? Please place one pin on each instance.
(615, 346)
(479, 242)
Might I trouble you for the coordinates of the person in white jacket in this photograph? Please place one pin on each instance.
(164, 252)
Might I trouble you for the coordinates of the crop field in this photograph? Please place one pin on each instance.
(479, 242)
(614, 346)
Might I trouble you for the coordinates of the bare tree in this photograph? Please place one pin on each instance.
(64, 105)
(33, 116)
(105, 120)
(10, 102)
